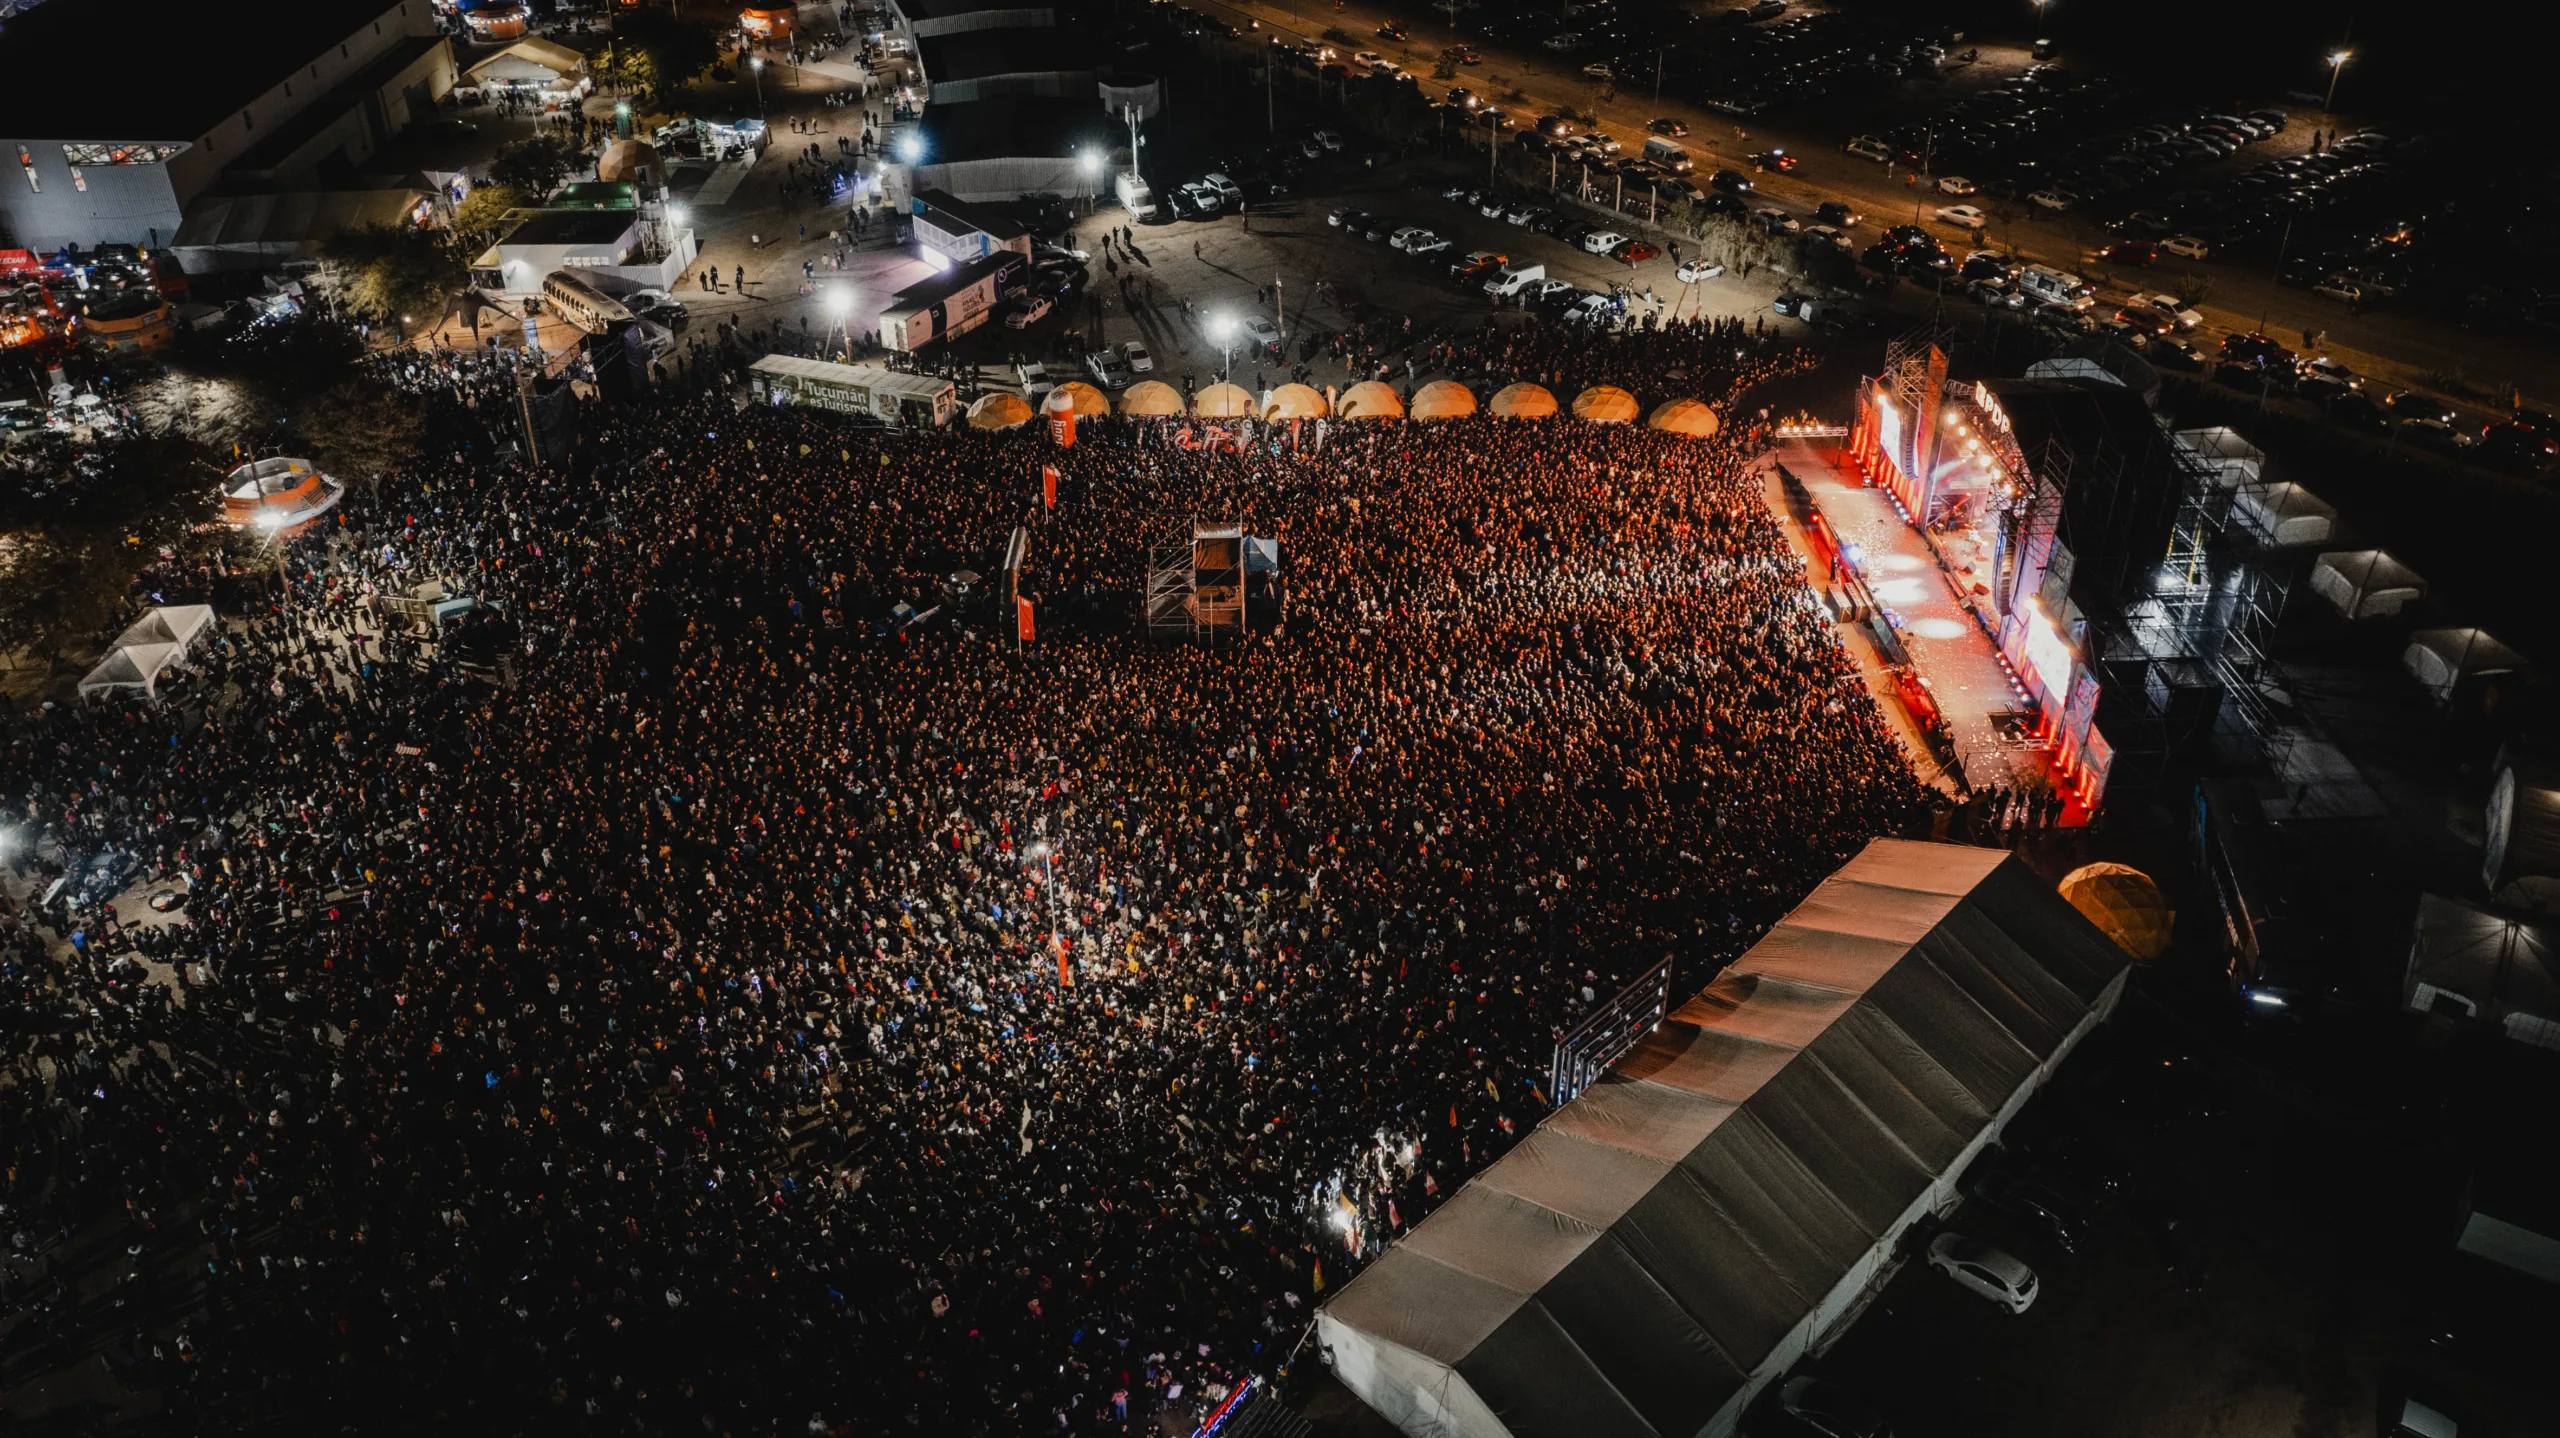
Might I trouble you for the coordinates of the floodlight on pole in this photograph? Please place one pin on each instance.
(755, 67)
(1222, 328)
(2337, 66)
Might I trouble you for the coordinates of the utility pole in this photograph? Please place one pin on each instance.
(1657, 73)
(1491, 149)
(1928, 153)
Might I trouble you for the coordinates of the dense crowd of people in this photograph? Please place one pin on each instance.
(717, 999)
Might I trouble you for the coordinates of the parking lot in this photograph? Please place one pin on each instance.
(2260, 1258)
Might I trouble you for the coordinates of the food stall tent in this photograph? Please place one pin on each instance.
(159, 641)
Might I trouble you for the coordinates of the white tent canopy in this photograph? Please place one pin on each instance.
(2284, 513)
(2232, 460)
(150, 647)
(2365, 583)
(2442, 658)
(1659, 1248)
(2468, 961)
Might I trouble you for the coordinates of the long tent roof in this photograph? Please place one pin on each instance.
(1634, 1263)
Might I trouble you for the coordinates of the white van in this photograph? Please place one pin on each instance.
(1868, 147)
(1135, 197)
(1669, 155)
(2056, 287)
(1512, 279)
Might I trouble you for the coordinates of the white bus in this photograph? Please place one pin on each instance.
(582, 304)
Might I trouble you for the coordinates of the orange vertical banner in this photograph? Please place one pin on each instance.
(1066, 975)
(1022, 620)
(1049, 484)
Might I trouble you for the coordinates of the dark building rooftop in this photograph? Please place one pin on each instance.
(572, 227)
(978, 54)
(1013, 127)
(72, 71)
(959, 217)
(934, 289)
(944, 9)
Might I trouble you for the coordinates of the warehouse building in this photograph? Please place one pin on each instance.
(294, 105)
(1729, 1196)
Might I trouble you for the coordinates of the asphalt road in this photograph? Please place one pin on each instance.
(2402, 348)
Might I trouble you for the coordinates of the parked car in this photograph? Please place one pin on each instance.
(1776, 221)
(1426, 243)
(2175, 308)
(1260, 335)
(2049, 200)
(1109, 368)
(2341, 289)
(1693, 271)
(1027, 313)
(1827, 1410)
(1634, 252)
(1988, 1271)
(1347, 217)
(2186, 247)
(2044, 1210)
(1956, 185)
(1139, 360)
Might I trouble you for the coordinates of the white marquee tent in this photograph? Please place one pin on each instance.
(1664, 1245)
(2365, 583)
(155, 643)
(2468, 961)
(2442, 658)
(2284, 513)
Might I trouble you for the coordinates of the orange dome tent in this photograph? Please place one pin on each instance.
(999, 411)
(1223, 401)
(1684, 416)
(2125, 904)
(632, 160)
(1443, 399)
(1151, 399)
(1292, 401)
(1605, 404)
(1524, 401)
(1369, 400)
(1090, 403)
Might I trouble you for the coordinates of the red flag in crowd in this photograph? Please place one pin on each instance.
(1049, 484)
(1022, 619)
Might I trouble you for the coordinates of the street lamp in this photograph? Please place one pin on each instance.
(911, 147)
(1222, 328)
(273, 524)
(755, 67)
(2337, 66)
(622, 119)
(838, 303)
(2040, 4)
(1089, 164)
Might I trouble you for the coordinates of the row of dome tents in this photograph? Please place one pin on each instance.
(1438, 400)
